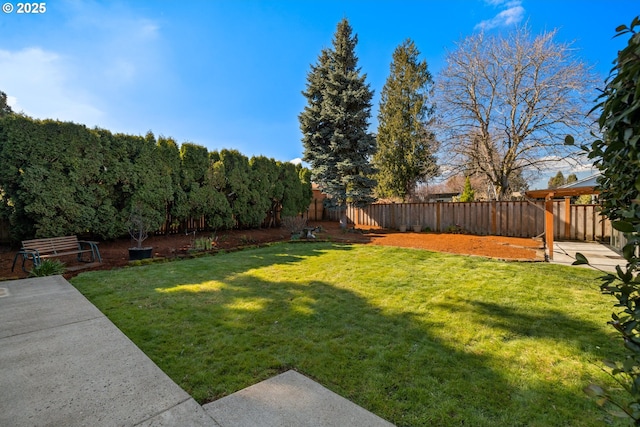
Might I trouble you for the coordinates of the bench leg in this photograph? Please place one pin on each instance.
(15, 258)
(25, 256)
(95, 253)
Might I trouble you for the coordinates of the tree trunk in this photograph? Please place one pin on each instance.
(343, 217)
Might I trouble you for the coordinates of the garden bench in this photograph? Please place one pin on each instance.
(38, 249)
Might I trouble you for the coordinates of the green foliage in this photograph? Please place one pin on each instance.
(53, 178)
(585, 199)
(617, 155)
(468, 193)
(195, 163)
(455, 229)
(153, 190)
(334, 123)
(559, 180)
(48, 267)
(297, 189)
(266, 181)
(205, 243)
(170, 162)
(248, 206)
(406, 146)
(60, 178)
(556, 181)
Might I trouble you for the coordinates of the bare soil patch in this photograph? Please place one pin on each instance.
(115, 252)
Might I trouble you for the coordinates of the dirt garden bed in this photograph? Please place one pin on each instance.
(115, 253)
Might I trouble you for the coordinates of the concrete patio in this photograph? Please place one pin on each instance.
(600, 256)
(63, 363)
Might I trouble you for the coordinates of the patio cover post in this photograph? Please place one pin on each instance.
(585, 186)
(548, 223)
(567, 217)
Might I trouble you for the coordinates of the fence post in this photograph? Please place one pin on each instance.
(493, 218)
(567, 217)
(392, 206)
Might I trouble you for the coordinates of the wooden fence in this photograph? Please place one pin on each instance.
(513, 218)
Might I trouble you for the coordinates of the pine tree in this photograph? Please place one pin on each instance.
(557, 181)
(334, 124)
(405, 144)
(468, 193)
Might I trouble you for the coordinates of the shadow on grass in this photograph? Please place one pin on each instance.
(584, 336)
(245, 329)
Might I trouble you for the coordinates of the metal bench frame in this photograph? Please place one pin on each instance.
(37, 250)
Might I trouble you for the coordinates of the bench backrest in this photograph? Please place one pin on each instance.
(52, 245)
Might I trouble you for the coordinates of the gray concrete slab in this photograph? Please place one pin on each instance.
(63, 363)
(41, 303)
(290, 400)
(188, 413)
(600, 256)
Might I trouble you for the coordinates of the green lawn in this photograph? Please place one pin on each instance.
(417, 337)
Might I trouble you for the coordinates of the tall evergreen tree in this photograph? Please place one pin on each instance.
(334, 124)
(468, 193)
(406, 146)
(557, 181)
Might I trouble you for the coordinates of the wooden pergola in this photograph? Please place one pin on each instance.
(556, 193)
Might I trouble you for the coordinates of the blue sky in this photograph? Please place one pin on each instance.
(228, 74)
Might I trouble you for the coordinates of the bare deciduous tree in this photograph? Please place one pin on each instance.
(507, 102)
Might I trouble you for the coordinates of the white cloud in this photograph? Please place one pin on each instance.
(511, 15)
(105, 56)
(581, 166)
(41, 84)
(296, 161)
(12, 101)
(580, 163)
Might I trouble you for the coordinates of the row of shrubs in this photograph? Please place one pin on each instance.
(60, 178)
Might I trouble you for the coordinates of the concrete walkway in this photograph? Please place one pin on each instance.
(600, 256)
(63, 363)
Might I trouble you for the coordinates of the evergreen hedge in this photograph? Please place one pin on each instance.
(61, 178)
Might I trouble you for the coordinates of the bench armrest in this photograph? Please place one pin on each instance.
(95, 252)
(30, 251)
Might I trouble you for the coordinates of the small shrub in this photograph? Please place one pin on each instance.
(48, 267)
(247, 240)
(205, 243)
(454, 229)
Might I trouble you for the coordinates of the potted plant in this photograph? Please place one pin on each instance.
(402, 228)
(417, 228)
(139, 231)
